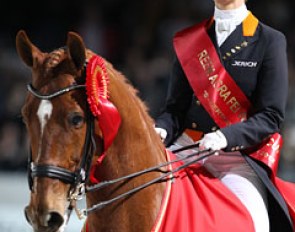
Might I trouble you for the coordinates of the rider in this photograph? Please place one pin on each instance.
(209, 108)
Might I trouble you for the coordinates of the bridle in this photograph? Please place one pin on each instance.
(78, 178)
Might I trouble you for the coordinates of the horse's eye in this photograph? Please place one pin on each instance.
(76, 120)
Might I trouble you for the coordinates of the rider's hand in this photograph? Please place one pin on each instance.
(161, 132)
(214, 141)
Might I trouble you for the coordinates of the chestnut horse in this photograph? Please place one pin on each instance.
(91, 134)
(57, 118)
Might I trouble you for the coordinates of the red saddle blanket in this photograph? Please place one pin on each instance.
(197, 201)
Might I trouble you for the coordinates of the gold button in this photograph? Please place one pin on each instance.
(194, 125)
(244, 44)
(198, 102)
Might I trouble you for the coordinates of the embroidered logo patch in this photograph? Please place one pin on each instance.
(244, 64)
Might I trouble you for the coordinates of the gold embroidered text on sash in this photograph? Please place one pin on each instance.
(224, 93)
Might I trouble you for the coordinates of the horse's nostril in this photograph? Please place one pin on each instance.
(54, 220)
(51, 221)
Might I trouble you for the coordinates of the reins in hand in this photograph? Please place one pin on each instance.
(156, 180)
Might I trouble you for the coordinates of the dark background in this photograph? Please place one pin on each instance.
(135, 36)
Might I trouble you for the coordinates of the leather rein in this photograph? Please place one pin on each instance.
(79, 178)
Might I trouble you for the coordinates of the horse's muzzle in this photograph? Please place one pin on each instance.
(45, 222)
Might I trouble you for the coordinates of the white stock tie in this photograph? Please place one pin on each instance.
(223, 25)
(223, 29)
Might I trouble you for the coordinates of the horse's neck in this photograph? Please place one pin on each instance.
(137, 139)
(138, 145)
(132, 151)
(135, 148)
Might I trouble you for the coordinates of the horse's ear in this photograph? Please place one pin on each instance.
(76, 49)
(29, 53)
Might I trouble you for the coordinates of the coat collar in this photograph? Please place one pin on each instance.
(244, 35)
(250, 25)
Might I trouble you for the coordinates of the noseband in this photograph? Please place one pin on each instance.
(80, 175)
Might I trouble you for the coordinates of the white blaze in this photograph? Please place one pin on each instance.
(44, 112)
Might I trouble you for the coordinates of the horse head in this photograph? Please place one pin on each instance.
(56, 127)
(65, 138)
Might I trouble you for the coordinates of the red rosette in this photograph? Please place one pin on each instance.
(96, 83)
(97, 97)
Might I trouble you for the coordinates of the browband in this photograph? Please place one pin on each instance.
(33, 91)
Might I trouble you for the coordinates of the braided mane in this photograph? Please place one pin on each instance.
(54, 58)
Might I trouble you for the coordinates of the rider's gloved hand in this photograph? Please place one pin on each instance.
(214, 141)
(161, 132)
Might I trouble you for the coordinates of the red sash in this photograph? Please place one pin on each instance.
(217, 91)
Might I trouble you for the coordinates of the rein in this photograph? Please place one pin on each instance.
(163, 177)
(155, 168)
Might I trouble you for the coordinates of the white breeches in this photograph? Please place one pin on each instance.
(251, 199)
(239, 177)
